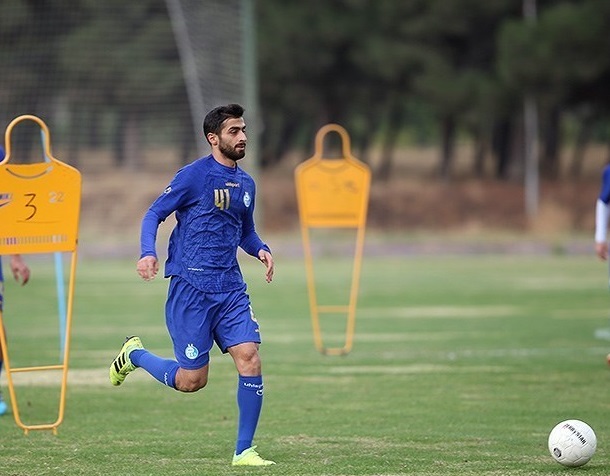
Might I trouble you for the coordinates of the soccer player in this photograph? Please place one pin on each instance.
(602, 213)
(21, 273)
(213, 201)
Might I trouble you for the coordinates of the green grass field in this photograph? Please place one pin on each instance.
(460, 366)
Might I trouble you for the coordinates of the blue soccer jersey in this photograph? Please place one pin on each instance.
(602, 212)
(214, 207)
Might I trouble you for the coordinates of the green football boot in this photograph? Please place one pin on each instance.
(121, 366)
(249, 457)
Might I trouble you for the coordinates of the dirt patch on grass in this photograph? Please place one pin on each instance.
(413, 199)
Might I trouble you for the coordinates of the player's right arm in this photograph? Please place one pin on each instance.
(602, 214)
(178, 193)
(148, 264)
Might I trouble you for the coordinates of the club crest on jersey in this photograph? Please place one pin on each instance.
(191, 352)
(247, 199)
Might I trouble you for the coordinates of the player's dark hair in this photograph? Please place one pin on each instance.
(214, 119)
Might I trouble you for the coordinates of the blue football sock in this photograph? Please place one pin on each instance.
(164, 370)
(249, 403)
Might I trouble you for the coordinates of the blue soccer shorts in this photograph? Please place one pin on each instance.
(195, 320)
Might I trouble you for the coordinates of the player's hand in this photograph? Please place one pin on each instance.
(20, 270)
(148, 267)
(601, 248)
(267, 260)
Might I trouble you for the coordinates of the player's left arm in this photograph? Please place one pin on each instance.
(252, 244)
(267, 259)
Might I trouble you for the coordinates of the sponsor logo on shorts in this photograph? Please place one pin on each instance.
(167, 190)
(191, 352)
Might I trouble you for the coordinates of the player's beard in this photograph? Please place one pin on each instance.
(231, 152)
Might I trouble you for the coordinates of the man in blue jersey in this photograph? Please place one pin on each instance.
(602, 213)
(213, 201)
(21, 273)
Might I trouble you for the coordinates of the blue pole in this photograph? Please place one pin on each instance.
(59, 279)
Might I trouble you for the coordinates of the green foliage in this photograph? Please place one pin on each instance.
(113, 70)
(570, 31)
(461, 366)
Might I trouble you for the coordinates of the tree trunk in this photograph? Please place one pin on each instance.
(552, 133)
(447, 146)
(395, 121)
(580, 146)
(480, 146)
(186, 141)
(76, 121)
(501, 147)
(118, 142)
(285, 137)
(132, 148)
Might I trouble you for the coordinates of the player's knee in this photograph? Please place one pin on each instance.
(190, 386)
(191, 382)
(249, 362)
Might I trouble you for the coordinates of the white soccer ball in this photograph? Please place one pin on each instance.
(572, 443)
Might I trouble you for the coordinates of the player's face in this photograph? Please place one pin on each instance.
(232, 139)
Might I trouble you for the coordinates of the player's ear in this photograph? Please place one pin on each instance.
(212, 139)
